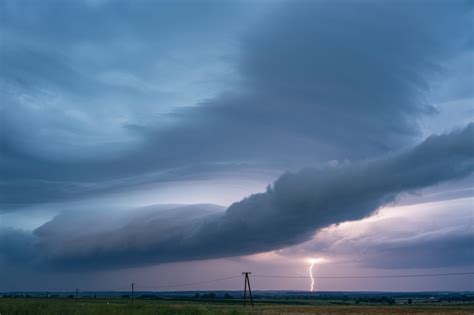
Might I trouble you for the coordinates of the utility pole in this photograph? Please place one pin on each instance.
(133, 289)
(77, 294)
(247, 283)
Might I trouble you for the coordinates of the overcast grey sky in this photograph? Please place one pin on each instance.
(203, 137)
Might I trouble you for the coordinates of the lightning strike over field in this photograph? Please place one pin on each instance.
(311, 274)
(312, 262)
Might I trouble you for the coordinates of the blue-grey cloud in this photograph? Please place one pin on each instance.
(288, 213)
(452, 250)
(313, 81)
(426, 235)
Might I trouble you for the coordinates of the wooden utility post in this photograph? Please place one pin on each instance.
(77, 294)
(133, 289)
(247, 283)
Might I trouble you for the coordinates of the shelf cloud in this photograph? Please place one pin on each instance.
(112, 113)
(289, 212)
(309, 66)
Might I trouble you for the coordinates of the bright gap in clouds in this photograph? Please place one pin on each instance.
(403, 234)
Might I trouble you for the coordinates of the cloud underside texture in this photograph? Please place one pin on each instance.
(306, 74)
(289, 212)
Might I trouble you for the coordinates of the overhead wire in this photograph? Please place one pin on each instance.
(158, 287)
(367, 277)
(188, 284)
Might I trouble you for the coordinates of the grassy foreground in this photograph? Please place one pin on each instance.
(119, 307)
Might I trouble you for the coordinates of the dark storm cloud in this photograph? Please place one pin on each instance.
(286, 214)
(68, 78)
(17, 247)
(316, 70)
(314, 81)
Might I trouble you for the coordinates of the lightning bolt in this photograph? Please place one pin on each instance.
(312, 262)
(311, 274)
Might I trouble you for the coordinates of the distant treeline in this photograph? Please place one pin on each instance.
(356, 298)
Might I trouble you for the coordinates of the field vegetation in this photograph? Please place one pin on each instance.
(116, 306)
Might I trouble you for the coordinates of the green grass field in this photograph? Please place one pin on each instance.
(122, 307)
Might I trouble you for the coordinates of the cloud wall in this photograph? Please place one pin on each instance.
(289, 212)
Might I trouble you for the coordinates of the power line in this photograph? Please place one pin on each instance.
(247, 284)
(189, 284)
(368, 277)
(286, 277)
(305, 277)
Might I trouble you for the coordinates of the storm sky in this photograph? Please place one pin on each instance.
(171, 142)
